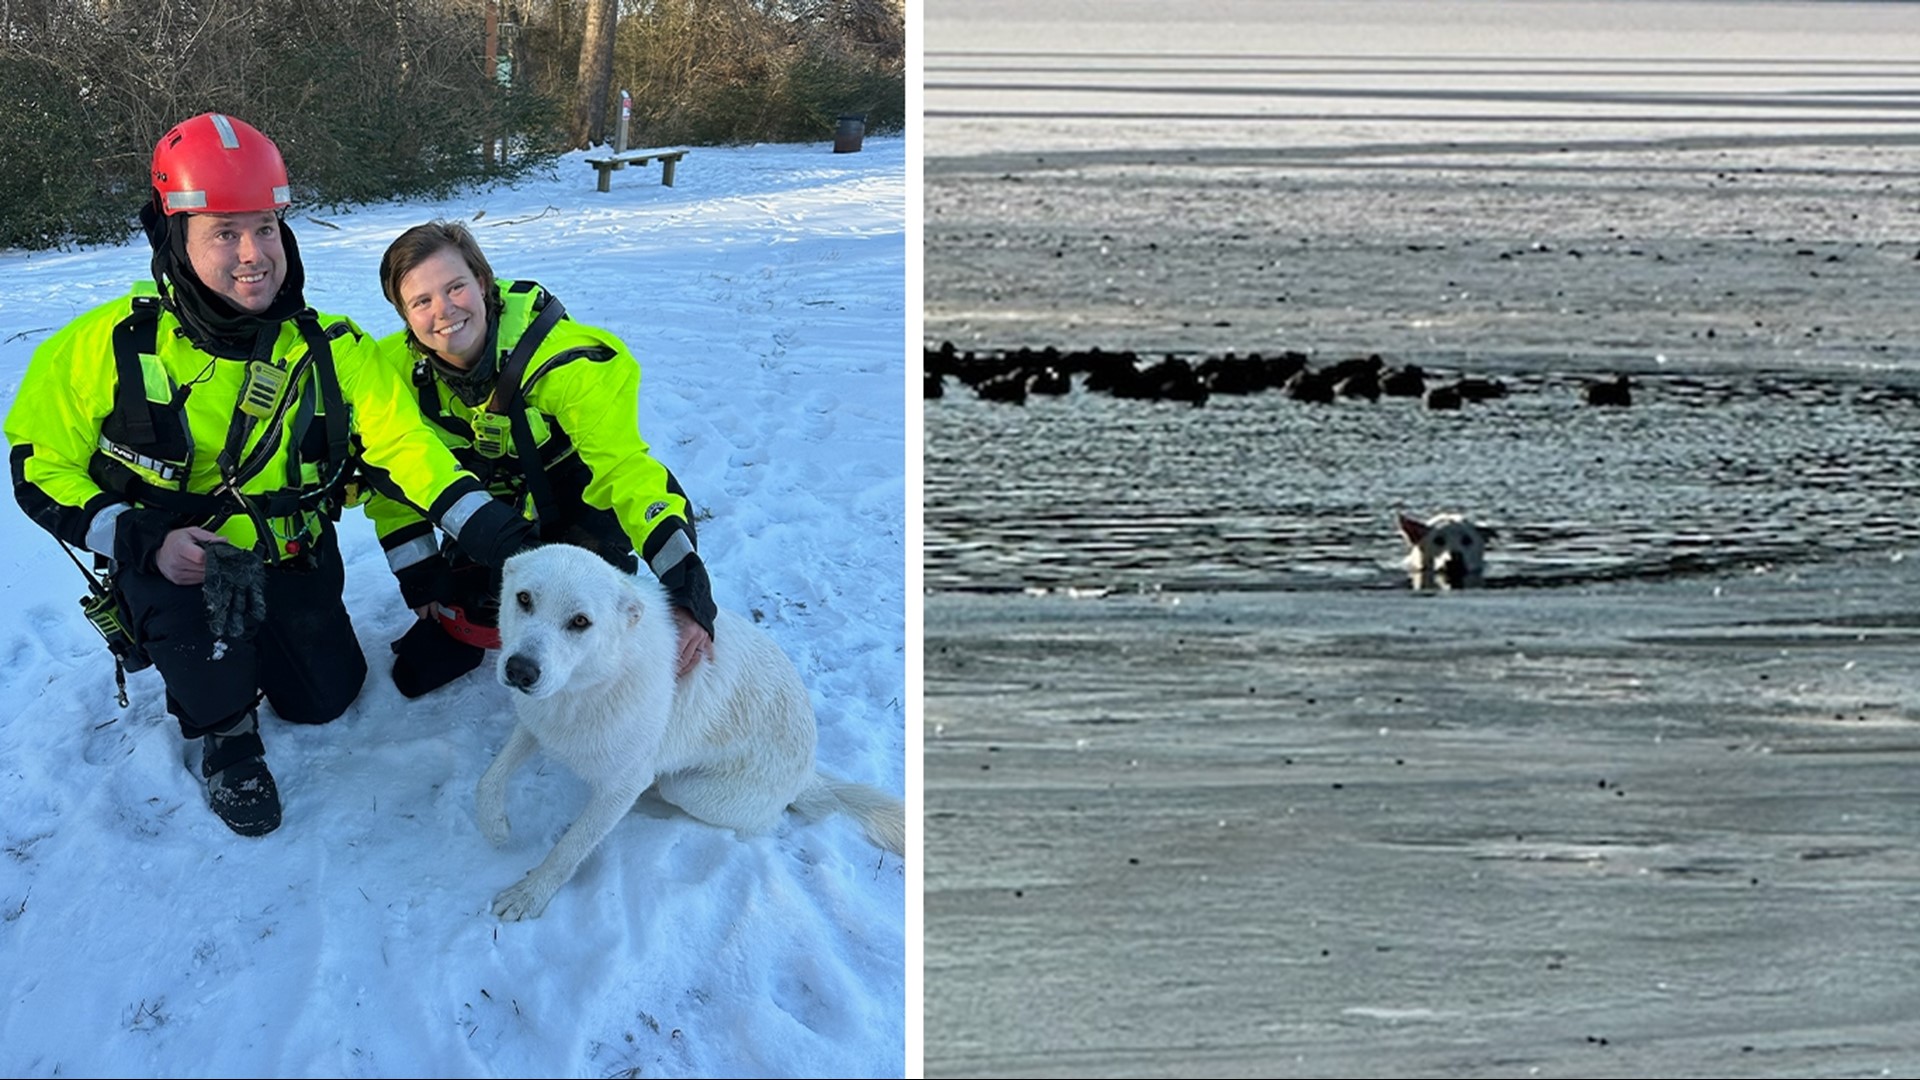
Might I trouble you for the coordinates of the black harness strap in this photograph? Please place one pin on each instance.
(194, 506)
(538, 489)
(508, 399)
(302, 421)
(242, 425)
(320, 344)
(423, 385)
(136, 334)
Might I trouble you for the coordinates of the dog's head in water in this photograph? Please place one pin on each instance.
(1446, 551)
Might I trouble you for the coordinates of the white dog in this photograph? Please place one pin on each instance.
(590, 652)
(1446, 550)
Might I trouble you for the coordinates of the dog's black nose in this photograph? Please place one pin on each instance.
(522, 673)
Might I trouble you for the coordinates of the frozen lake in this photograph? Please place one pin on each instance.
(1647, 806)
(1568, 183)
(1616, 831)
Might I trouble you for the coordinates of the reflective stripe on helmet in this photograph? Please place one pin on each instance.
(221, 124)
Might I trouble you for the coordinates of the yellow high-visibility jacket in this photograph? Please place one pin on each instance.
(77, 465)
(581, 390)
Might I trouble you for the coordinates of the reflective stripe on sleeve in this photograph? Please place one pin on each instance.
(675, 549)
(101, 532)
(419, 549)
(465, 507)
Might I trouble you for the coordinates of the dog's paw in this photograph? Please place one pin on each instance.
(525, 899)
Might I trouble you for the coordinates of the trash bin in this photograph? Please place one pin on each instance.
(846, 138)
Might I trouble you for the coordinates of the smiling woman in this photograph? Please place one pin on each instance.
(445, 307)
(543, 407)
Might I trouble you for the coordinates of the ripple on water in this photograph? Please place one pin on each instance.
(1703, 474)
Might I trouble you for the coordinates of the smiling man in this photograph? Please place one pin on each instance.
(201, 432)
(239, 256)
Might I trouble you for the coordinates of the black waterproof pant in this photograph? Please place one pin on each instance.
(305, 657)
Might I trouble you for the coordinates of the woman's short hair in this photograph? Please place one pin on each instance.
(423, 242)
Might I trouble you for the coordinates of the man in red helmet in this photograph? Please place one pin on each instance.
(199, 435)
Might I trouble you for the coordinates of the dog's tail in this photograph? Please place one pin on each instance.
(881, 816)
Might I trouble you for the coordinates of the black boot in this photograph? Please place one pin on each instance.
(239, 787)
(426, 658)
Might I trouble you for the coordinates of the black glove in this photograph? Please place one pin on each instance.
(687, 587)
(137, 536)
(426, 581)
(236, 591)
(495, 533)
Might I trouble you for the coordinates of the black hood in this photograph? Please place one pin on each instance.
(211, 323)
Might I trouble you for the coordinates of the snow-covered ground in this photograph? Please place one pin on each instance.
(764, 294)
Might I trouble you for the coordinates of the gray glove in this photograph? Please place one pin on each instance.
(236, 591)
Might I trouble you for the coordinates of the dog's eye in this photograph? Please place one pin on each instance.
(524, 599)
(579, 622)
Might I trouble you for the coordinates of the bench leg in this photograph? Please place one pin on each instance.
(666, 170)
(606, 177)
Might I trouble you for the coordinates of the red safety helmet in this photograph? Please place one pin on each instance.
(215, 164)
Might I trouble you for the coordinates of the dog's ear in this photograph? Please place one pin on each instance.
(1412, 528)
(631, 606)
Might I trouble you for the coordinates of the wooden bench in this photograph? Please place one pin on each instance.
(609, 162)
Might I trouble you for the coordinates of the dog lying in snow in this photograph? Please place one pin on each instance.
(589, 652)
(1446, 550)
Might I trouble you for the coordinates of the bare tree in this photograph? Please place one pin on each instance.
(589, 127)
